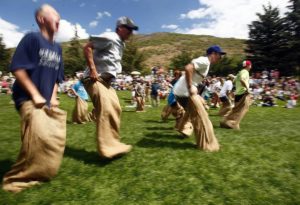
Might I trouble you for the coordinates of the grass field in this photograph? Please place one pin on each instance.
(258, 165)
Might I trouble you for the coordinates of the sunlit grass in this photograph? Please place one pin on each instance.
(257, 165)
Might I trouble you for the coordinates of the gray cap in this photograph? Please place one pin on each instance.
(127, 22)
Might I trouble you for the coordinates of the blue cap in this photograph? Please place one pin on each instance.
(216, 49)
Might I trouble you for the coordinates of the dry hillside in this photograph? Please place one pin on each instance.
(159, 48)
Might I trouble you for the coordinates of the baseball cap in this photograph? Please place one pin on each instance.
(216, 49)
(127, 22)
(246, 63)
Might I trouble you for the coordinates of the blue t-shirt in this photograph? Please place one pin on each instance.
(42, 60)
(79, 89)
(154, 89)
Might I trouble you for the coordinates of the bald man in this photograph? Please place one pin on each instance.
(38, 67)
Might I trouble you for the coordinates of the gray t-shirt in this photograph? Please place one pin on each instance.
(107, 53)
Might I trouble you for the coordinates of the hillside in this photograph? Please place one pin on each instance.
(159, 48)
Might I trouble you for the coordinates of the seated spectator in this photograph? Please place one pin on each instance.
(268, 100)
(292, 102)
(257, 94)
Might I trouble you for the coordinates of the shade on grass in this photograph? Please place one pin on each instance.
(258, 165)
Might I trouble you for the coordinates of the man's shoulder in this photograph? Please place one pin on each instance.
(244, 72)
(30, 36)
(203, 60)
(112, 36)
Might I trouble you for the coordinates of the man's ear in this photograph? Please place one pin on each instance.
(40, 20)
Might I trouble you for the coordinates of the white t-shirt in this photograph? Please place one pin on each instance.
(216, 87)
(201, 66)
(226, 87)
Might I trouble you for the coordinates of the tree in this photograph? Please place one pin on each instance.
(293, 28)
(73, 57)
(4, 56)
(226, 66)
(181, 60)
(267, 43)
(133, 59)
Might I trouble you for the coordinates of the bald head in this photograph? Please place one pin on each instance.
(45, 11)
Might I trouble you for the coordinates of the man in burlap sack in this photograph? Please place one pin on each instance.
(103, 55)
(241, 100)
(186, 92)
(38, 67)
(226, 96)
(81, 113)
(172, 106)
(140, 95)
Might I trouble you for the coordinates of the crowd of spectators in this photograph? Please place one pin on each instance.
(267, 88)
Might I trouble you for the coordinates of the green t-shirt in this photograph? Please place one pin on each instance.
(242, 75)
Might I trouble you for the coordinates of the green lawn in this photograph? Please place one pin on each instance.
(258, 165)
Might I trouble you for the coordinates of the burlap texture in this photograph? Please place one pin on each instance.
(225, 109)
(166, 111)
(176, 110)
(233, 119)
(203, 128)
(184, 125)
(140, 103)
(43, 135)
(108, 114)
(80, 112)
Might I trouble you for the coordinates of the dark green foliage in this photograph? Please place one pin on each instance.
(266, 44)
(4, 56)
(274, 41)
(133, 59)
(181, 60)
(73, 56)
(226, 66)
(293, 26)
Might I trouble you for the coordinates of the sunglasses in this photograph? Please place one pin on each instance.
(128, 28)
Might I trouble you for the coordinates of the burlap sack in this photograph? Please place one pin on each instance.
(140, 103)
(225, 109)
(81, 113)
(203, 128)
(184, 125)
(166, 111)
(43, 134)
(233, 119)
(108, 114)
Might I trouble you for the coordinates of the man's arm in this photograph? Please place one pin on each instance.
(189, 70)
(88, 53)
(244, 84)
(24, 80)
(54, 102)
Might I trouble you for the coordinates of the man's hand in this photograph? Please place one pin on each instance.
(38, 101)
(54, 103)
(193, 90)
(94, 75)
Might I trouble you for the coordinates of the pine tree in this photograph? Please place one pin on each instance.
(133, 59)
(267, 43)
(73, 57)
(293, 28)
(226, 66)
(4, 56)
